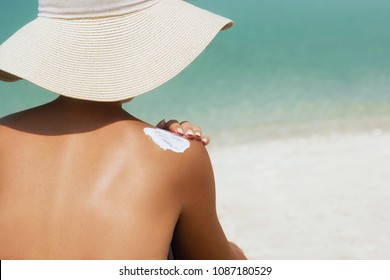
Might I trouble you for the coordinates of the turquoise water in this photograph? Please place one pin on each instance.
(286, 67)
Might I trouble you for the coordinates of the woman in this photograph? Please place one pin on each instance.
(81, 178)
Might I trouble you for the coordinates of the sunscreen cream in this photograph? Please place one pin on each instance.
(167, 140)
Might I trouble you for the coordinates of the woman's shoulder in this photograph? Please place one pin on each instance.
(183, 159)
(169, 149)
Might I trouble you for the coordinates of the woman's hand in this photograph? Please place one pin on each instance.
(185, 129)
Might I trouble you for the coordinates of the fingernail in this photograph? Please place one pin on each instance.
(190, 132)
(161, 124)
(205, 140)
(180, 131)
(198, 134)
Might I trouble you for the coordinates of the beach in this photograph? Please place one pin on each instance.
(314, 197)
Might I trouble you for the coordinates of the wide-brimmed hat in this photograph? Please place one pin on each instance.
(105, 50)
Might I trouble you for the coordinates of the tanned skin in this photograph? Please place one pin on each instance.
(81, 180)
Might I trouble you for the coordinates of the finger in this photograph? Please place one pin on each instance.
(188, 129)
(198, 132)
(175, 127)
(161, 124)
(205, 140)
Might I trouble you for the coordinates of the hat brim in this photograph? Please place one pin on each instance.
(111, 58)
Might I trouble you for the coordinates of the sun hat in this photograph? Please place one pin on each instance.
(105, 50)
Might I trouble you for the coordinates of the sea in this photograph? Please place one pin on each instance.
(301, 67)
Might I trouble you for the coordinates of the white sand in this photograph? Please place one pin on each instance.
(323, 197)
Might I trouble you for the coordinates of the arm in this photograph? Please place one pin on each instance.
(198, 233)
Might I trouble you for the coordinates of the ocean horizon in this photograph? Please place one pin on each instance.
(285, 68)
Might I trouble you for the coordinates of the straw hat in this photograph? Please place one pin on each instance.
(105, 50)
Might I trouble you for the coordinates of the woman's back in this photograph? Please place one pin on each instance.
(86, 186)
(82, 179)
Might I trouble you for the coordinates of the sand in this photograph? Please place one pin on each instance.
(321, 197)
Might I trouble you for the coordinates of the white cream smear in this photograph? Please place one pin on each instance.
(167, 140)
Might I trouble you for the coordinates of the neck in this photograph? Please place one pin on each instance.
(84, 106)
(84, 110)
(82, 115)
(67, 116)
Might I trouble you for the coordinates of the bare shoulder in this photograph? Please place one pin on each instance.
(27, 121)
(6, 129)
(190, 156)
(7, 121)
(184, 164)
